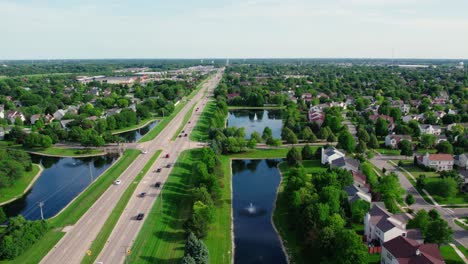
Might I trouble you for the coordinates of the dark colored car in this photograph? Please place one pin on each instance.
(143, 194)
(140, 216)
(157, 184)
(167, 155)
(180, 135)
(168, 165)
(158, 170)
(185, 134)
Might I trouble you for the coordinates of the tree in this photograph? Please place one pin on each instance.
(195, 251)
(361, 147)
(308, 135)
(289, 136)
(447, 187)
(3, 216)
(187, 259)
(421, 181)
(409, 199)
(395, 113)
(445, 147)
(294, 156)
(381, 127)
(255, 135)
(346, 141)
(420, 220)
(359, 209)
(363, 135)
(406, 147)
(307, 153)
(438, 232)
(373, 142)
(267, 133)
(427, 141)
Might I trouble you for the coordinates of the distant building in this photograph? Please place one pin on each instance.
(330, 154)
(2, 133)
(59, 114)
(461, 161)
(403, 250)
(439, 162)
(13, 115)
(316, 116)
(393, 140)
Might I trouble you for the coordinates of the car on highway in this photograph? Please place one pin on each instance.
(144, 151)
(189, 122)
(185, 134)
(117, 182)
(143, 194)
(183, 131)
(140, 216)
(168, 165)
(167, 155)
(180, 135)
(157, 184)
(158, 170)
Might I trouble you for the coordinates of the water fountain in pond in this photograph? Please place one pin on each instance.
(255, 117)
(252, 211)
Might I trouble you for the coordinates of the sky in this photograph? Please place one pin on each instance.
(72, 29)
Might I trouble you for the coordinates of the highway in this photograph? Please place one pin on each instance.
(78, 238)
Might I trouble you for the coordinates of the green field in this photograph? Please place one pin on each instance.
(101, 238)
(18, 188)
(75, 210)
(374, 259)
(200, 131)
(449, 255)
(280, 216)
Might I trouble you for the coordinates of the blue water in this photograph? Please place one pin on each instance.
(60, 182)
(135, 135)
(256, 120)
(255, 182)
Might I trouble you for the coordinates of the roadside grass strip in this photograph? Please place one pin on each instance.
(200, 131)
(101, 238)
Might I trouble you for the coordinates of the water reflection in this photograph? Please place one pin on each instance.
(256, 120)
(135, 135)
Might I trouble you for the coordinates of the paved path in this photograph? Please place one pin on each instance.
(73, 246)
(459, 234)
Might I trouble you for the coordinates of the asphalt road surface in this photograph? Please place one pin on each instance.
(78, 238)
(459, 234)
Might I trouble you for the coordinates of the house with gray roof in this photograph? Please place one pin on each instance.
(382, 226)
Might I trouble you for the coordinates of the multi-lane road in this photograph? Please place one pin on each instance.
(78, 238)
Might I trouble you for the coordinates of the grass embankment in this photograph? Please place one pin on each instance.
(200, 131)
(18, 188)
(184, 122)
(53, 151)
(460, 224)
(140, 124)
(431, 179)
(166, 120)
(74, 211)
(262, 154)
(101, 238)
(256, 107)
(449, 255)
(162, 237)
(280, 216)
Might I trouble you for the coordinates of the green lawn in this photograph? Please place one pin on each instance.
(261, 154)
(140, 124)
(200, 131)
(162, 237)
(166, 120)
(256, 107)
(101, 238)
(219, 240)
(463, 250)
(432, 178)
(18, 188)
(186, 118)
(449, 255)
(386, 151)
(460, 224)
(58, 151)
(374, 258)
(280, 216)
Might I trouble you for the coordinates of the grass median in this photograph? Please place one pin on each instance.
(200, 131)
(19, 186)
(74, 211)
(101, 238)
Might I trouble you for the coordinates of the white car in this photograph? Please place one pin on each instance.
(144, 151)
(118, 182)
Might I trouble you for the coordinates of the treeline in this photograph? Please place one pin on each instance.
(13, 165)
(19, 236)
(320, 216)
(207, 174)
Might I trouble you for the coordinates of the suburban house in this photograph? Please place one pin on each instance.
(355, 193)
(307, 97)
(430, 129)
(389, 119)
(316, 116)
(111, 112)
(405, 108)
(461, 161)
(360, 180)
(12, 115)
(403, 250)
(441, 138)
(64, 123)
(330, 154)
(348, 164)
(393, 140)
(34, 118)
(439, 162)
(381, 226)
(59, 114)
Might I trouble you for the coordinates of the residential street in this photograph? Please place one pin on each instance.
(74, 245)
(459, 234)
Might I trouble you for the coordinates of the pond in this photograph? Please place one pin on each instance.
(254, 187)
(135, 135)
(256, 120)
(60, 182)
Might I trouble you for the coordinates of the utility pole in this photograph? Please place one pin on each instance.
(41, 204)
